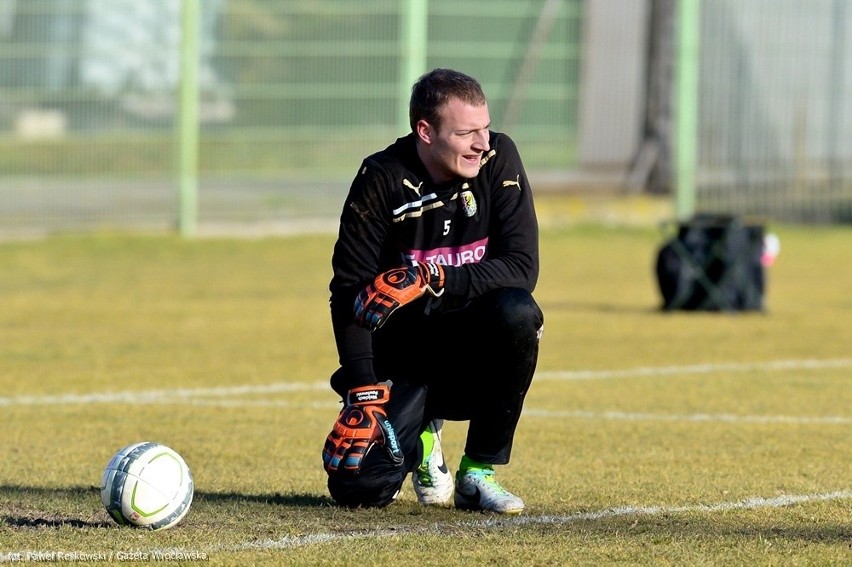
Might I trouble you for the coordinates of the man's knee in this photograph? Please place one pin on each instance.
(515, 309)
(376, 484)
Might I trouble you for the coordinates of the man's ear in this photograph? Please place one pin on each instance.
(424, 131)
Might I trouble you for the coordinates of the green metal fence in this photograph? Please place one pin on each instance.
(159, 113)
(290, 96)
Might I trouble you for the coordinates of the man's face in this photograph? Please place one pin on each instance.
(456, 148)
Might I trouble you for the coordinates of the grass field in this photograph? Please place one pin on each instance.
(647, 439)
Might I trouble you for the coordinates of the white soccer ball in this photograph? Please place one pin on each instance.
(147, 485)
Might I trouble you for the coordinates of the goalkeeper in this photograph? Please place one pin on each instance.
(431, 306)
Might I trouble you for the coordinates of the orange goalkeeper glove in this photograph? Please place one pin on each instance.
(361, 425)
(395, 288)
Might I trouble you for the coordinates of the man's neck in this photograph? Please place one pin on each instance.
(435, 174)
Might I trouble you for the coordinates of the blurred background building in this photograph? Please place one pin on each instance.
(292, 94)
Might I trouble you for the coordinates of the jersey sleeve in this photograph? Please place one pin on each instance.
(355, 262)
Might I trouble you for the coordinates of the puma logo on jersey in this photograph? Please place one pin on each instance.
(516, 182)
(411, 186)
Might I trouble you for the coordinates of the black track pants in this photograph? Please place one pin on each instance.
(474, 364)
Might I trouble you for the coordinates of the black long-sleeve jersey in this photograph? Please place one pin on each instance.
(482, 230)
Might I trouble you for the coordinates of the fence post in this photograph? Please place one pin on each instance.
(686, 107)
(414, 23)
(187, 122)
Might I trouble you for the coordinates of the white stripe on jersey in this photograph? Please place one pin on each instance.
(417, 208)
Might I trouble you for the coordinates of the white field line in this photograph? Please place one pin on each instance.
(696, 417)
(661, 371)
(175, 395)
(289, 542)
(229, 396)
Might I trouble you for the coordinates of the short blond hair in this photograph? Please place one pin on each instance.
(434, 89)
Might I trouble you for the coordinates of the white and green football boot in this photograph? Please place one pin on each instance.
(433, 482)
(477, 489)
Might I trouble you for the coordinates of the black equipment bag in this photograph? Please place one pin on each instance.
(712, 264)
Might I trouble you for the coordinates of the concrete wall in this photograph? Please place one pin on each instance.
(612, 84)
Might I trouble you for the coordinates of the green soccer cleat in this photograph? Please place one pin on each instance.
(433, 482)
(477, 489)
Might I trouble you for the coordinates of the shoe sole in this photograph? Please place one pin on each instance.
(472, 504)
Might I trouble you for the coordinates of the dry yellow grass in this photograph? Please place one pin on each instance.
(649, 438)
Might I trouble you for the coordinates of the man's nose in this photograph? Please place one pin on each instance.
(481, 140)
